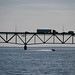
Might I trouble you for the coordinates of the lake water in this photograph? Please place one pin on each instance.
(37, 61)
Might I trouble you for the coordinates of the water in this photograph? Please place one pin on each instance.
(37, 61)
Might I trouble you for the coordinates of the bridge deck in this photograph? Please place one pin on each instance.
(33, 33)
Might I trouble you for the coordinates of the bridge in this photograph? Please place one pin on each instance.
(33, 38)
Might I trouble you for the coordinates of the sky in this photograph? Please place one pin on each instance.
(30, 15)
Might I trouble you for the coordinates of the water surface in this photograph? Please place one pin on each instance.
(37, 61)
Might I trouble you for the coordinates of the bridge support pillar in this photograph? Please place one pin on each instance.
(25, 47)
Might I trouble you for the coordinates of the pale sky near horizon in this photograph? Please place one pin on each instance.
(29, 15)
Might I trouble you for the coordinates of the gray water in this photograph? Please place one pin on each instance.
(37, 61)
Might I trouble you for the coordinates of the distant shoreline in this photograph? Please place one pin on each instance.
(38, 47)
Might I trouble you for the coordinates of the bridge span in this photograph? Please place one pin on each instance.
(33, 38)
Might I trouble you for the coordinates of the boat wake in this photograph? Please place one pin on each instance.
(42, 50)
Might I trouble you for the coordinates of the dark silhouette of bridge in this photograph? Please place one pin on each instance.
(33, 38)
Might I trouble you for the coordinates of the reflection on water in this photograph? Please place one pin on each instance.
(36, 61)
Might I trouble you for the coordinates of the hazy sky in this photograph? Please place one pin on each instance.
(29, 15)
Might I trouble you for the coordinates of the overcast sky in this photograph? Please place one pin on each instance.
(29, 15)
